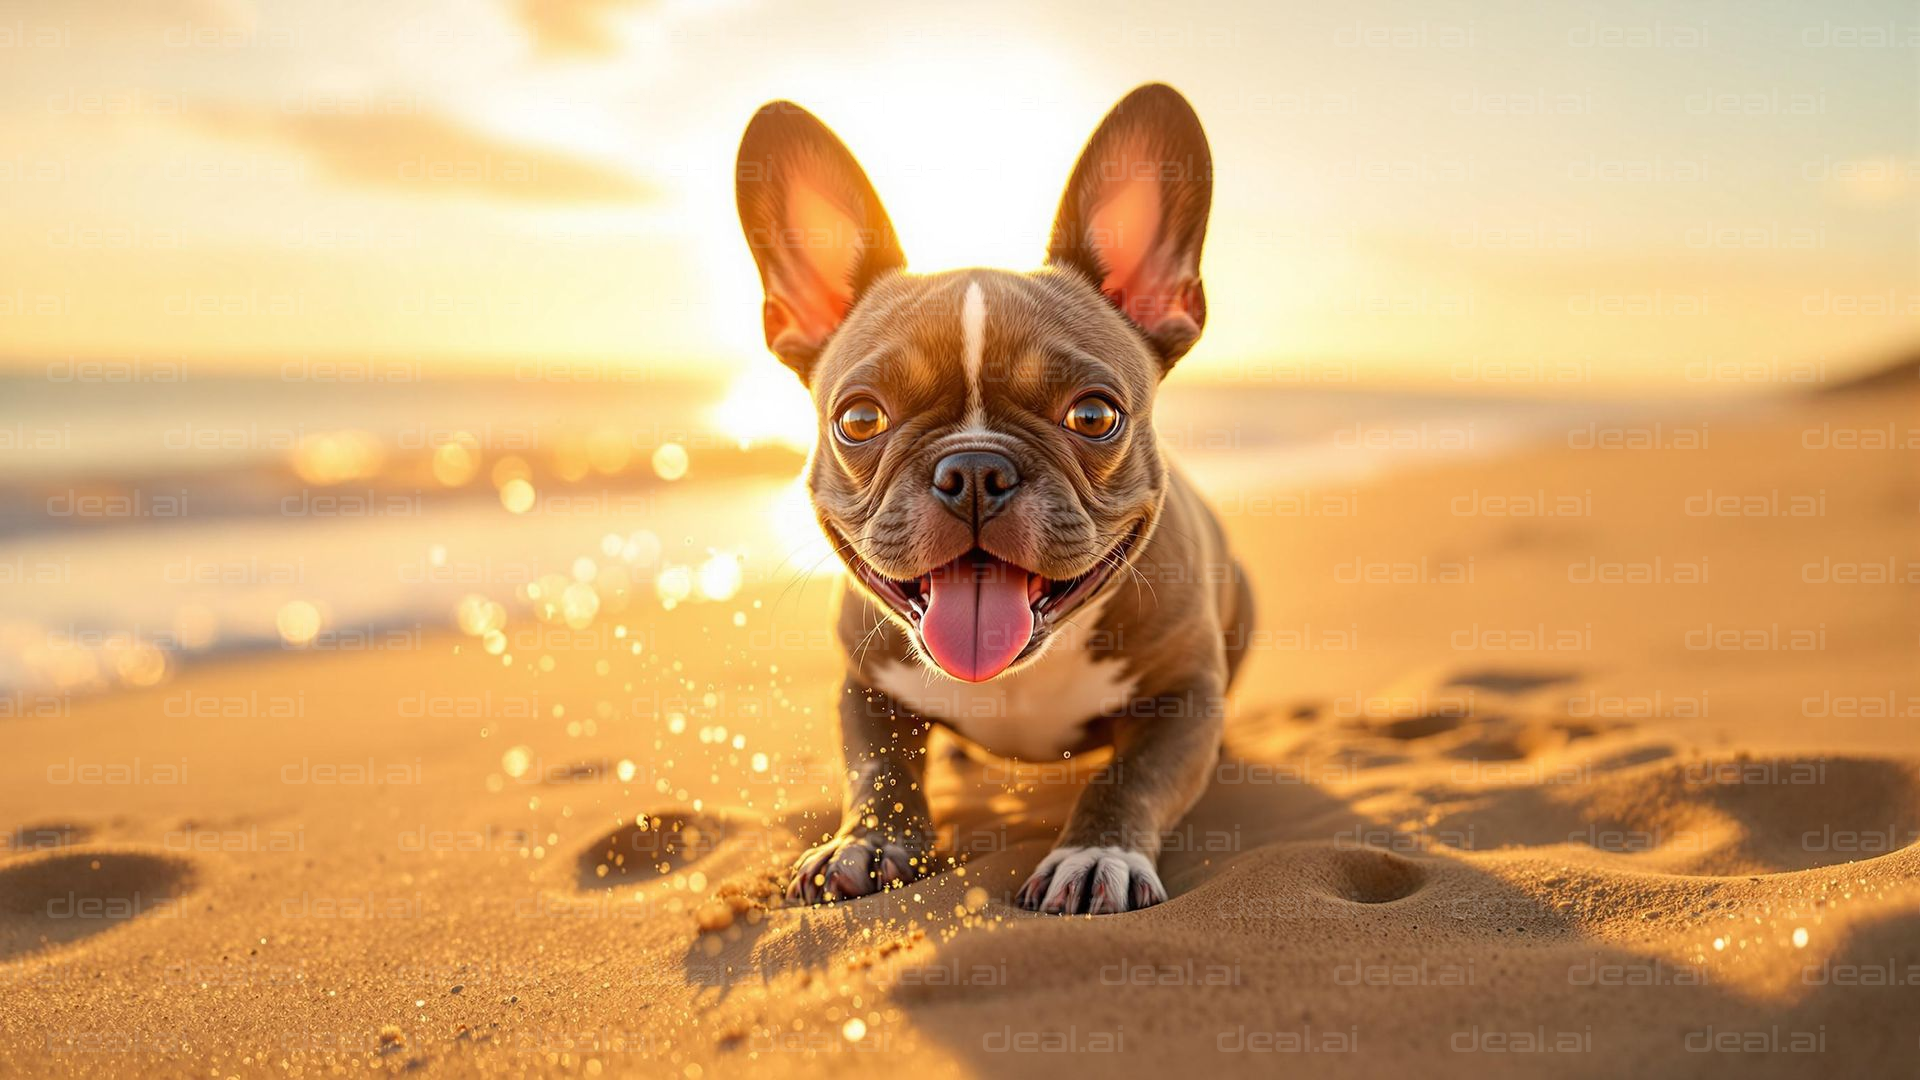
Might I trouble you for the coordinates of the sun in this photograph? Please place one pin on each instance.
(969, 180)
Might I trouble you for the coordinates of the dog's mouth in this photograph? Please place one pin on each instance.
(977, 614)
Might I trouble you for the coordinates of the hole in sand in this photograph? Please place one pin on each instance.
(51, 899)
(644, 850)
(1376, 877)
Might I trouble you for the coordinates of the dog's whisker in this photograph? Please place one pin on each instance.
(800, 578)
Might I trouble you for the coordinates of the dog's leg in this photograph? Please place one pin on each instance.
(1164, 753)
(886, 830)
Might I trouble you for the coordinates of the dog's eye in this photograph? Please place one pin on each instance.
(1092, 417)
(862, 420)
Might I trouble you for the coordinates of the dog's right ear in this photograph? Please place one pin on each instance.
(817, 230)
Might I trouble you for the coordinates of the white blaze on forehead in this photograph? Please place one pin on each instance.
(973, 339)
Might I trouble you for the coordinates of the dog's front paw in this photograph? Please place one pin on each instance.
(1092, 881)
(854, 865)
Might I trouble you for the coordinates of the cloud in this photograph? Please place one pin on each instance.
(573, 27)
(428, 154)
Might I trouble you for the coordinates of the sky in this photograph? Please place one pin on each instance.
(1576, 196)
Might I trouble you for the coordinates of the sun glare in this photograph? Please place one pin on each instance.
(765, 404)
(969, 179)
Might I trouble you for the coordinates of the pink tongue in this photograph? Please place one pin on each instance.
(978, 618)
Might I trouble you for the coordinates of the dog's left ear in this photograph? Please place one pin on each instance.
(1135, 214)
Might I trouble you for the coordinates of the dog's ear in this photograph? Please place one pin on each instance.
(817, 230)
(1135, 214)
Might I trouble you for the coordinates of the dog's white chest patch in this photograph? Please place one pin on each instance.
(1033, 713)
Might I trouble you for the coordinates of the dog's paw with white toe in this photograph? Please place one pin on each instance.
(1092, 881)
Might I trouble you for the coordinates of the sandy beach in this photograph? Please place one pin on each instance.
(1597, 759)
(420, 639)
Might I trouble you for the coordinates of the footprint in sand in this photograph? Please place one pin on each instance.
(1315, 880)
(1520, 738)
(657, 844)
(51, 899)
(1432, 703)
(1369, 876)
(1716, 817)
(1476, 714)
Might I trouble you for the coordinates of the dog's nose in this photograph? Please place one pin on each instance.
(975, 484)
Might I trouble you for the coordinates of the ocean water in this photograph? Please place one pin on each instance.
(151, 518)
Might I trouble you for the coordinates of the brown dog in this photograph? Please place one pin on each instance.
(1030, 573)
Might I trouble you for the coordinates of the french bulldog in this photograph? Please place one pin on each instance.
(1025, 568)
